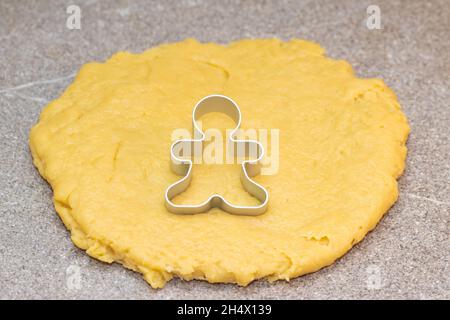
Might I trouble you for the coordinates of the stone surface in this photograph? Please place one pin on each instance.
(406, 256)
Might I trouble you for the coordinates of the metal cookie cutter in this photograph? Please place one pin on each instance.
(250, 168)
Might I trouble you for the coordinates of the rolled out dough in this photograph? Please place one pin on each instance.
(104, 148)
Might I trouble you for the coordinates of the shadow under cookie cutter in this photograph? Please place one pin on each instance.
(250, 168)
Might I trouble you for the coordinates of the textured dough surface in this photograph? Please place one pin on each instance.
(104, 148)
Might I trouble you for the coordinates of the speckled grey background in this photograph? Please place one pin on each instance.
(406, 256)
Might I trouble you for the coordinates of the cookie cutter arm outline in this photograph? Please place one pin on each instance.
(250, 168)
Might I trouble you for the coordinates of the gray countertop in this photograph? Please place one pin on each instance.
(406, 256)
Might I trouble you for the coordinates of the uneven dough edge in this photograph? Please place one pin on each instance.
(157, 278)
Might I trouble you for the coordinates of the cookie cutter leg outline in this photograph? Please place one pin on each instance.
(250, 168)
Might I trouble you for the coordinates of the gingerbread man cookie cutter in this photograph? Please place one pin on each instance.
(183, 166)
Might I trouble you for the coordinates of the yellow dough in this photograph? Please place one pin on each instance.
(104, 147)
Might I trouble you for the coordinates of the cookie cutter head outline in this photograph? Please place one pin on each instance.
(250, 168)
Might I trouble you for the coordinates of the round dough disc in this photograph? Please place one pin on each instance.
(104, 147)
